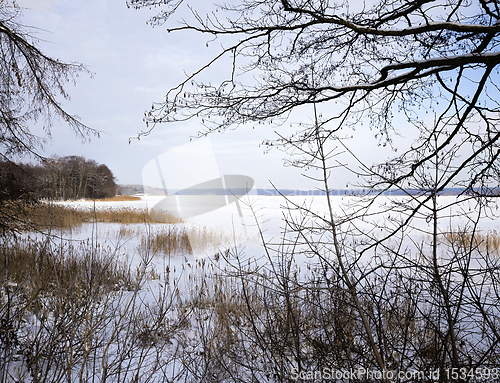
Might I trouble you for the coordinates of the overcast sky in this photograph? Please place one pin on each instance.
(133, 65)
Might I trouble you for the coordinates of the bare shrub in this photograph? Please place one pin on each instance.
(76, 313)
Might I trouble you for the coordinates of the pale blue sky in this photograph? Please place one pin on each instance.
(134, 65)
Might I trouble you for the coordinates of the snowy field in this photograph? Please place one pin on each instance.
(169, 318)
(265, 215)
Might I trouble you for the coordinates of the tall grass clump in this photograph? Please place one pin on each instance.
(168, 241)
(41, 265)
(488, 241)
(127, 215)
(174, 239)
(121, 198)
(74, 313)
(41, 216)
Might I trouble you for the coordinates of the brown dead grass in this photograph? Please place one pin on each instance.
(175, 240)
(127, 215)
(121, 198)
(488, 242)
(42, 216)
(69, 268)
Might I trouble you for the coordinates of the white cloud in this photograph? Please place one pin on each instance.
(135, 65)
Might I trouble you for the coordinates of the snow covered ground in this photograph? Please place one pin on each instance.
(180, 278)
(266, 214)
(269, 212)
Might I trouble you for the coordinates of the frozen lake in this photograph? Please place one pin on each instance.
(180, 290)
(240, 223)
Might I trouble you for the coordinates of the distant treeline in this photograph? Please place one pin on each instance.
(132, 189)
(139, 189)
(71, 177)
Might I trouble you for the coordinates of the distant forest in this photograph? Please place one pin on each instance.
(71, 177)
(150, 190)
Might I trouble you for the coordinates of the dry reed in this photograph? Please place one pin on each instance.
(489, 241)
(175, 240)
(121, 198)
(44, 215)
(42, 267)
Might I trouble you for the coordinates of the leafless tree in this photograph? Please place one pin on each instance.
(31, 89)
(32, 86)
(419, 284)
